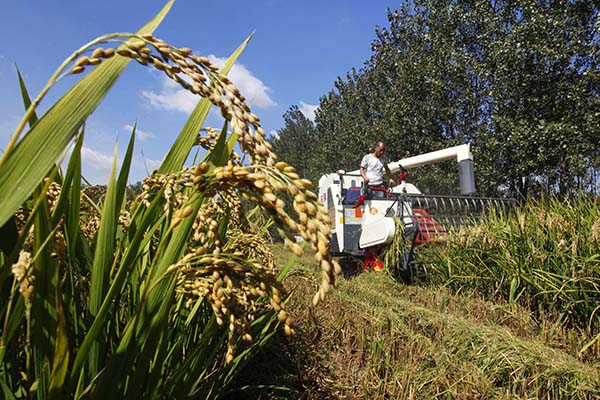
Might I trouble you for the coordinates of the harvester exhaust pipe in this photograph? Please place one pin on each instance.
(466, 176)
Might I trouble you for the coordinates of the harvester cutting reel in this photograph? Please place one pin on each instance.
(425, 220)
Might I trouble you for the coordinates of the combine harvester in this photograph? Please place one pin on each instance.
(362, 225)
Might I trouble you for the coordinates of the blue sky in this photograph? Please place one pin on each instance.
(299, 48)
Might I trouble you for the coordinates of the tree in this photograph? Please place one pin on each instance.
(405, 96)
(346, 124)
(518, 79)
(541, 68)
(295, 142)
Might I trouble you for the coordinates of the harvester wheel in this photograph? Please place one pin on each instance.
(406, 270)
(351, 266)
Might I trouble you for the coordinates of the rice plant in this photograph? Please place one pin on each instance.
(162, 296)
(545, 255)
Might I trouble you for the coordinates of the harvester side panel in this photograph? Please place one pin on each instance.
(352, 231)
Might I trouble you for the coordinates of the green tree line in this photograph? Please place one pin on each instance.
(519, 80)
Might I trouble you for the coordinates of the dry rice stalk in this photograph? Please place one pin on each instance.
(23, 272)
(215, 266)
(393, 253)
(52, 193)
(260, 181)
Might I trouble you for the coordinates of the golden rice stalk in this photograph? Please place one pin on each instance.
(392, 254)
(23, 272)
(263, 180)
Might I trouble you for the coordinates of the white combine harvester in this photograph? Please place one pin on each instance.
(362, 225)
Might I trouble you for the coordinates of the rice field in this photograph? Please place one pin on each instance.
(507, 310)
(166, 294)
(171, 292)
(544, 256)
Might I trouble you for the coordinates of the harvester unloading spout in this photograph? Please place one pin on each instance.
(362, 229)
(463, 157)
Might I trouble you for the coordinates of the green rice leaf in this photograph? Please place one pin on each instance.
(104, 253)
(285, 270)
(26, 99)
(205, 351)
(71, 180)
(8, 231)
(140, 337)
(12, 325)
(223, 148)
(103, 258)
(6, 393)
(73, 175)
(34, 155)
(43, 309)
(154, 215)
(60, 364)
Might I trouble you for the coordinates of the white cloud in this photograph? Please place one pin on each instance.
(274, 134)
(97, 166)
(140, 134)
(308, 110)
(252, 88)
(144, 166)
(96, 159)
(172, 97)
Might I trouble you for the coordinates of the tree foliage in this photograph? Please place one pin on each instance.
(519, 80)
(296, 141)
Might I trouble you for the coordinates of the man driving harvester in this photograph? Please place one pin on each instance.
(372, 167)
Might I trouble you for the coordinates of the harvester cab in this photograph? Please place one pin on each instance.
(364, 224)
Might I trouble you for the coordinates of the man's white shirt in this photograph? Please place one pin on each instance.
(374, 168)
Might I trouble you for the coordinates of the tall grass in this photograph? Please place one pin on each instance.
(164, 296)
(545, 255)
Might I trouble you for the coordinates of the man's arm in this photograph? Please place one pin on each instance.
(363, 173)
(391, 180)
